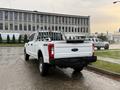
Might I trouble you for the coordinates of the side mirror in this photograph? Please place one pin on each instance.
(28, 40)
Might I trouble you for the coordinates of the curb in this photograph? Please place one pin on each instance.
(89, 67)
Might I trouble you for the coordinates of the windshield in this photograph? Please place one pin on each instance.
(50, 35)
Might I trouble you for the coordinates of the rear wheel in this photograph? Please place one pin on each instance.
(26, 56)
(106, 47)
(43, 67)
(98, 48)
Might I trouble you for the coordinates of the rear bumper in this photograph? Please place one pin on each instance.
(74, 62)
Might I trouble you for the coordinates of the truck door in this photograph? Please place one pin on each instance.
(30, 44)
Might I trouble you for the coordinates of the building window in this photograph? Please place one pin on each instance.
(15, 16)
(82, 21)
(6, 26)
(56, 28)
(66, 29)
(20, 16)
(6, 15)
(78, 29)
(1, 26)
(16, 27)
(29, 17)
(52, 19)
(53, 28)
(63, 29)
(20, 26)
(72, 29)
(37, 27)
(33, 28)
(25, 27)
(33, 17)
(87, 22)
(45, 19)
(60, 28)
(41, 28)
(1, 15)
(11, 16)
(75, 29)
(62, 20)
(86, 30)
(11, 26)
(38, 19)
(45, 27)
(49, 19)
(29, 27)
(69, 29)
(25, 17)
(41, 18)
(81, 29)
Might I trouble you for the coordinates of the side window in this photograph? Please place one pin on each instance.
(96, 40)
(32, 37)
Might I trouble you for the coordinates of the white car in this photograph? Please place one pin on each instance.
(52, 49)
(98, 43)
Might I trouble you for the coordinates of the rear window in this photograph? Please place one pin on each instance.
(52, 35)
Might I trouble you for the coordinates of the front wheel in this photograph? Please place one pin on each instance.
(43, 67)
(26, 56)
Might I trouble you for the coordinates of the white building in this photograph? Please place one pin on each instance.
(26, 22)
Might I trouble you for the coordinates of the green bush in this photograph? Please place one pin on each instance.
(13, 39)
(20, 39)
(25, 38)
(1, 39)
(8, 39)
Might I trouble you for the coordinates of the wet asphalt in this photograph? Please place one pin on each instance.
(17, 74)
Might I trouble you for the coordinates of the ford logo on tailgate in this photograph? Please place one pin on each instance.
(74, 49)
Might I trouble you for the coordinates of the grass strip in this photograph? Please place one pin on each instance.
(107, 66)
(110, 54)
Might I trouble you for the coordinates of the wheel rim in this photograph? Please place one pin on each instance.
(40, 67)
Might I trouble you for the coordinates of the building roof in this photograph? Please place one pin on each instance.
(38, 12)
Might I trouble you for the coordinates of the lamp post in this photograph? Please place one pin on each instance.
(115, 2)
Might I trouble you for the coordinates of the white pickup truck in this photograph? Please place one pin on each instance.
(52, 49)
(98, 43)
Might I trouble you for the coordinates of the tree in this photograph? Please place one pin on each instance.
(20, 39)
(1, 39)
(13, 39)
(25, 38)
(8, 39)
(103, 37)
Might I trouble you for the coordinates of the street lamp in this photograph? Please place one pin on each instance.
(115, 2)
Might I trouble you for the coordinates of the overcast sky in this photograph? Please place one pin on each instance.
(105, 16)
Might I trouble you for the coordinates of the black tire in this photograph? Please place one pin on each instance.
(78, 69)
(43, 67)
(106, 47)
(98, 48)
(26, 56)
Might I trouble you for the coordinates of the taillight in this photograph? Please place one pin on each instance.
(93, 47)
(51, 51)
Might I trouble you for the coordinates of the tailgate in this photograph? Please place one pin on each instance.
(65, 50)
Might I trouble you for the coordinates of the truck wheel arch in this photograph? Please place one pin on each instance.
(40, 54)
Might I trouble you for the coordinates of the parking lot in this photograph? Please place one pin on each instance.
(17, 74)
